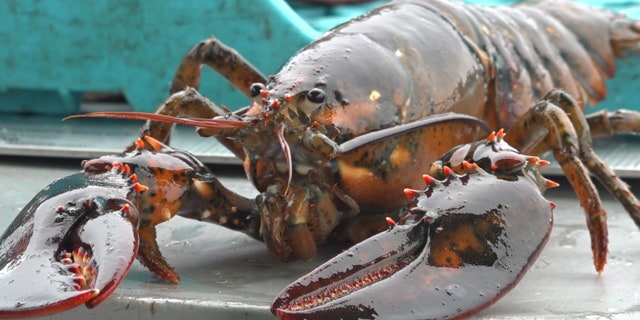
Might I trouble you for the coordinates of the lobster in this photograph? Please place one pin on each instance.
(331, 140)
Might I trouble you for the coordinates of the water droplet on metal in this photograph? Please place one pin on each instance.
(455, 291)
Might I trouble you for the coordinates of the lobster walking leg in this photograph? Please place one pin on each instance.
(224, 207)
(605, 123)
(567, 134)
(186, 101)
(621, 121)
(226, 61)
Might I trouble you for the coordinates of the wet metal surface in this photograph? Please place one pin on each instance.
(48, 136)
(227, 275)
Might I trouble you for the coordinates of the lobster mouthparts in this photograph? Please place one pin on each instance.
(72, 244)
(465, 242)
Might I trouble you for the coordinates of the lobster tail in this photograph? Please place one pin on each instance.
(529, 49)
(591, 41)
(604, 34)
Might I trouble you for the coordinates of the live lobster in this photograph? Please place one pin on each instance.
(332, 140)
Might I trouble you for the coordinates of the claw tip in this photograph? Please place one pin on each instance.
(139, 187)
(411, 193)
(469, 166)
(139, 144)
(390, 222)
(542, 163)
(551, 184)
(492, 137)
(288, 97)
(155, 144)
(429, 180)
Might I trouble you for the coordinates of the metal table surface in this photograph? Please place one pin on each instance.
(227, 275)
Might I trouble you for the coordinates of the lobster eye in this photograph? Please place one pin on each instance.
(316, 95)
(254, 89)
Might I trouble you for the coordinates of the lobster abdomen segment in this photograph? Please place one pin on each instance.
(531, 48)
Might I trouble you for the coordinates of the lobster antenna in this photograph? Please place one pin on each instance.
(194, 122)
(287, 155)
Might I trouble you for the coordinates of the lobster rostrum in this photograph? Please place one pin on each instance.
(334, 137)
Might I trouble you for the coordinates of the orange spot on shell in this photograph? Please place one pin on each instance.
(400, 156)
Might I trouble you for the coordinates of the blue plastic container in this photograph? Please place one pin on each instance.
(54, 50)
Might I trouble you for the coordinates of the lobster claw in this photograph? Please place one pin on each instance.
(465, 241)
(72, 244)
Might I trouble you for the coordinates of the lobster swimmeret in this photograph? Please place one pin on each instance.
(333, 138)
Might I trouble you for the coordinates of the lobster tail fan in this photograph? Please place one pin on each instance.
(625, 36)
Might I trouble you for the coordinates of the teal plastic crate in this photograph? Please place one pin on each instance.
(54, 50)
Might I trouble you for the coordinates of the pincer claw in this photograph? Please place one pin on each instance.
(72, 244)
(461, 244)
